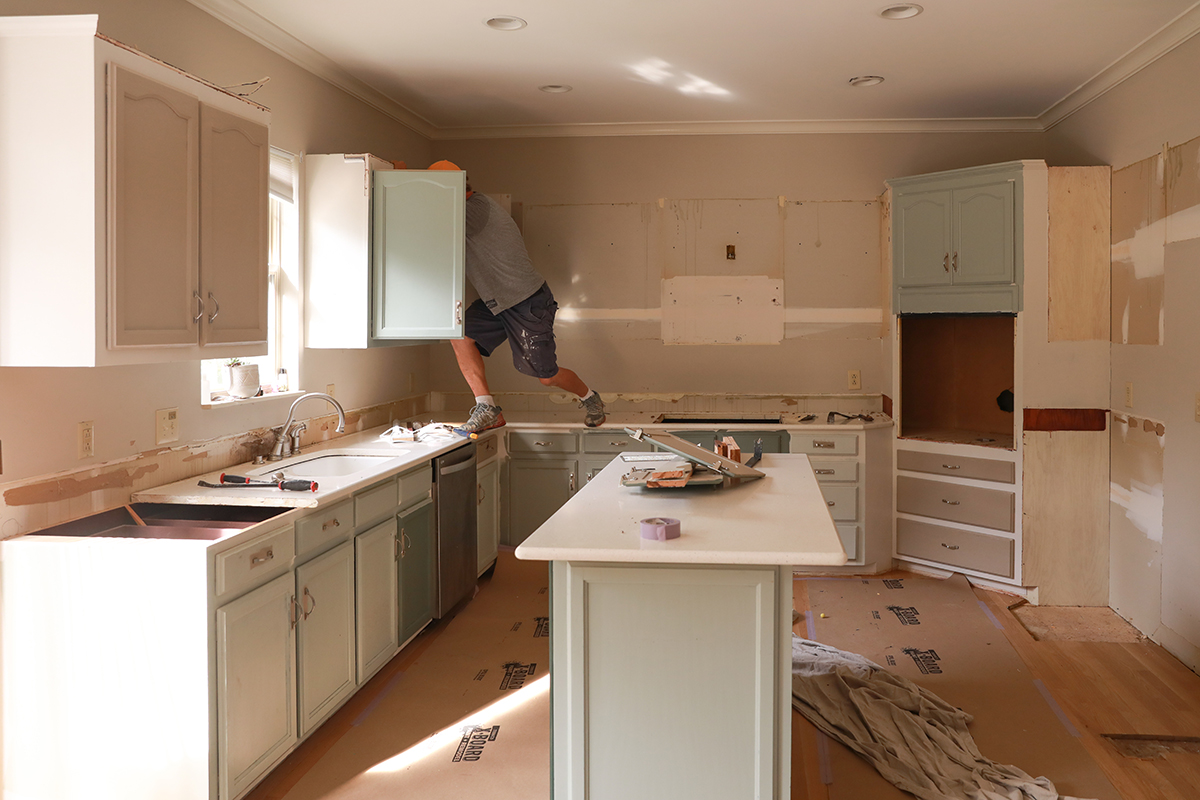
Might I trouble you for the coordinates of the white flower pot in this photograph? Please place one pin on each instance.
(243, 380)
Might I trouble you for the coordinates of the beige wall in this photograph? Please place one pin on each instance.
(39, 408)
(1156, 549)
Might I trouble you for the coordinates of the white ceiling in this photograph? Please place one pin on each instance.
(666, 66)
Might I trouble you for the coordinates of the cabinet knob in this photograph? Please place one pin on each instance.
(830, 503)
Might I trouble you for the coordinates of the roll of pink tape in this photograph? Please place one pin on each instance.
(660, 528)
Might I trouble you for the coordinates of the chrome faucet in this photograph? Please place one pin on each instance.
(285, 444)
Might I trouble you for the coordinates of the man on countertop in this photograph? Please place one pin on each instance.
(514, 303)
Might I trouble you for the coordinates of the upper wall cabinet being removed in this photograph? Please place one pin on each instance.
(133, 207)
(385, 253)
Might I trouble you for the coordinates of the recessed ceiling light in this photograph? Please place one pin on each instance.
(505, 23)
(866, 80)
(555, 88)
(901, 11)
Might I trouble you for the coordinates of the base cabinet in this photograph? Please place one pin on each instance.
(488, 514)
(377, 596)
(418, 577)
(325, 643)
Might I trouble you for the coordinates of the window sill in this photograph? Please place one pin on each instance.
(222, 400)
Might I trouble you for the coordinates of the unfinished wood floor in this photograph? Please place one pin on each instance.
(1132, 687)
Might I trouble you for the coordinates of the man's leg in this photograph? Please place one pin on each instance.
(568, 380)
(470, 364)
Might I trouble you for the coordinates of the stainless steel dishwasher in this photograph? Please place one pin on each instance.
(454, 489)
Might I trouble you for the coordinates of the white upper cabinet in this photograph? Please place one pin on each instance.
(385, 253)
(133, 213)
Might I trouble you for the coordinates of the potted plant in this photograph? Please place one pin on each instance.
(243, 378)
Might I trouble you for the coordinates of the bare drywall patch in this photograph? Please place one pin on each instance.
(1138, 236)
(1136, 521)
(722, 310)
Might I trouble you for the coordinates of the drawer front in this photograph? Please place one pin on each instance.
(842, 502)
(526, 442)
(325, 526)
(376, 503)
(966, 549)
(849, 536)
(988, 508)
(255, 562)
(612, 442)
(817, 444)
(485, 448)
(983, 469)
(415, 484)
(841, 471)
(773, 441)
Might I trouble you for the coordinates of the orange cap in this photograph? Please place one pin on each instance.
(445, 165)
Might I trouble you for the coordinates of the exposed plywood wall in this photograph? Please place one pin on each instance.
(1136, 522)
(1079, 263)
(1138, 239)
(1065, 516)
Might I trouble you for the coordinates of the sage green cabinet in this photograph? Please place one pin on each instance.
(417, 568)
(377, 596)
(325, 634)
(488, 514)
(956, 241)
(537, 487)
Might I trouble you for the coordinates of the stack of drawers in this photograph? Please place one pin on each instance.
(836, 461)
(964, 518)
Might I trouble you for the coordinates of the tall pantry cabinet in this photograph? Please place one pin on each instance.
(1001, 375)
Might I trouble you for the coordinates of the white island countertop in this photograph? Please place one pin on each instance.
(778, 519)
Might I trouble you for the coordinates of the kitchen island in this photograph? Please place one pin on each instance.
(671, 660)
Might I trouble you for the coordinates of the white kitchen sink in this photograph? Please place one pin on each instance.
(327, 465)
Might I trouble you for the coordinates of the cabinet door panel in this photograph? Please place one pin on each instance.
(536, 490)
(418, 579)
(325, 643)
(256, 684)
(418, 250)
(377, 598)
(983, 226)
(234, 164)
(488, 514)
(154, 157)
(922, 238)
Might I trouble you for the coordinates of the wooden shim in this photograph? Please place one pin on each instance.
(1065, 514)
(1079, 254)
(1066, 419)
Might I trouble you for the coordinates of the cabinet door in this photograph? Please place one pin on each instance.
(488, 514)
(983, 234)
(418, 248)
(377, 596)
(154, 164)
(536, 489)
(418, 564)
(256, 683)
(921, 247)
(234, 164)
(325, 638)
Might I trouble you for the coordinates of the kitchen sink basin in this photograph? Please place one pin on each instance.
(165, 521)
(326, 465)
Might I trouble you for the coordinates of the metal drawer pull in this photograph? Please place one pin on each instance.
(950, 546)
(817, 443)
(261, 557)
(950, 502)
(824, 471)
(951, 466)
(618, 444)
(480, 494)
(200, 310)
(571, 478)
(331, 523)
(543, 444)
(830, 503)
(946, 262)
(293, 615)
(458, 318)
(956, 261)
(213, 316)
(308, 596)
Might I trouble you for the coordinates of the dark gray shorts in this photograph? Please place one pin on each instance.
(528, 326)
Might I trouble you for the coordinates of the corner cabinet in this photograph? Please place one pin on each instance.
(385, 253)
(956, 241)
(168, 211)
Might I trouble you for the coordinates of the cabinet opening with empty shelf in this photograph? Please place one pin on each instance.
(953, 369)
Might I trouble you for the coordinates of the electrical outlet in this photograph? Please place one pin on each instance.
(166, 425)
(1129, 394)
(329, 390)
(87, 439)
(854, 379)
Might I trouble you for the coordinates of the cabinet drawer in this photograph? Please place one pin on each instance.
(376, 503)
(415, 484)
(849, 536)
(325, 526)
(966, 549)
(255, 562)
(844, 471)
(524, 442)
(486, 448)
(612, 442)
(988, 508)
(842, 502)
(773, 441)
(825, 444)
(957, 466)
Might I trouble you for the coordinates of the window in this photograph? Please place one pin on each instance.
(277, 369)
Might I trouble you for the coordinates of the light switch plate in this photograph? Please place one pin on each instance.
(166, 425)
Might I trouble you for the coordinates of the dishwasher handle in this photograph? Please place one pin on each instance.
(459, 467)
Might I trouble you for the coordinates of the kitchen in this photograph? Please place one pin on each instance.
(837, 324)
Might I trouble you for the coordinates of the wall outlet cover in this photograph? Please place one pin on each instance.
(329, 387)
(1129, 394)
(87, 439)
(854, 379)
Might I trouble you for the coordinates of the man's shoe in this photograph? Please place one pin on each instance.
(594, 407)
(483, 418)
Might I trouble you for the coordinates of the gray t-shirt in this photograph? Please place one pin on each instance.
(498, 265)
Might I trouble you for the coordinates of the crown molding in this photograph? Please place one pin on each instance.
(274, 38)
(1157, 45)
